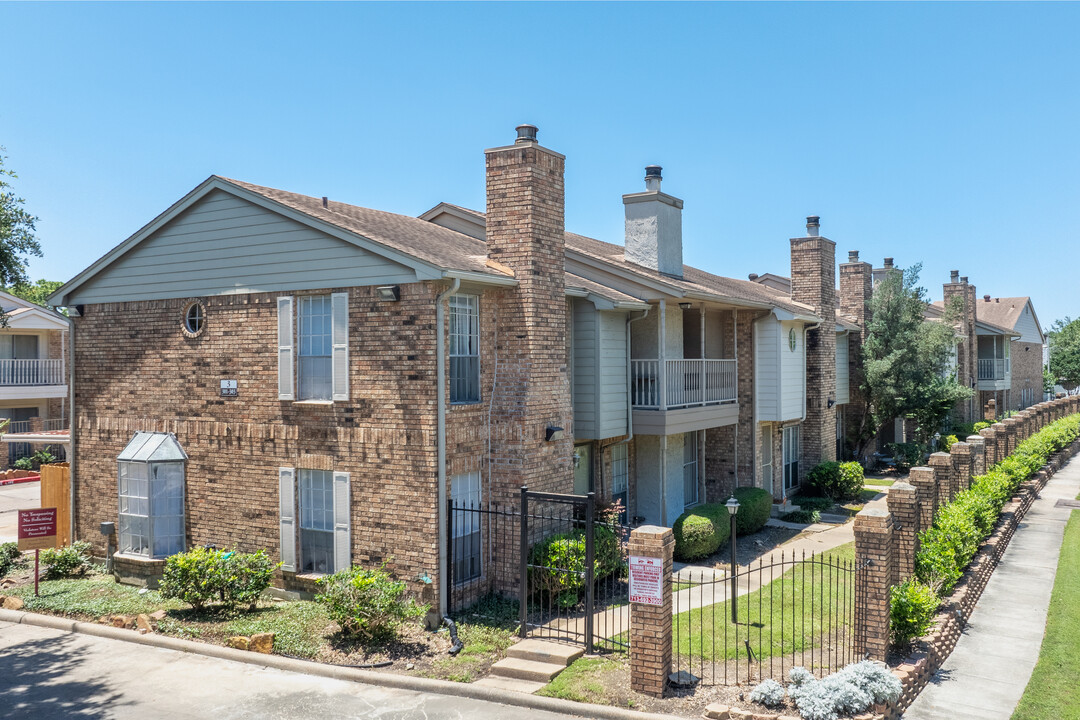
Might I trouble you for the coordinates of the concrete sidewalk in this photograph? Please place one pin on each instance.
(987, 672)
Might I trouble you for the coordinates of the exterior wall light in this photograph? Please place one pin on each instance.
(685, 305)
(389, 293)
(553, 433)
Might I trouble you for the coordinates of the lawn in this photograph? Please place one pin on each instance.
(1052, 692)
(793, 602)
(301, 628)
(878, 482)
(586, 680)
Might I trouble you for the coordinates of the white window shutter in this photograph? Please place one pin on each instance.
(342, 522)
(286, 355)
(339, 303)
(287, 517)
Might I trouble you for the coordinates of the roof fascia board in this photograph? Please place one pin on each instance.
(480, 278)
(597, 264)
(1038, 325)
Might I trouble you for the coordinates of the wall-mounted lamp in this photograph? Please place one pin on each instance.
(831, 402)
(686, 306)
(389, 293)
(553, 433)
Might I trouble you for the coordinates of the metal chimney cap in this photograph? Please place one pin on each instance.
(813, 222)
(853, 256)
(753, 276)
(526, 133)
(888, 262)
(986, 298)
(963, 279)
(653, 171)
(954, 276)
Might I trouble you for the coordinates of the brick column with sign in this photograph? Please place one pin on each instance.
(651, 549)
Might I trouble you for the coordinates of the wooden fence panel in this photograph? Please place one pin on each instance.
(56, 492)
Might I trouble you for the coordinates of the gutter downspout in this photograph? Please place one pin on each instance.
(440, 389)
(805, 329)
(71, 427)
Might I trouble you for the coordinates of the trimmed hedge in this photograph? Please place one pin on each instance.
(559, 563)
(755, 506)
(838, 481)
(700, 531)
(950, 544)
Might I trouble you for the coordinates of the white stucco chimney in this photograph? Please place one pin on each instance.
(654, 227)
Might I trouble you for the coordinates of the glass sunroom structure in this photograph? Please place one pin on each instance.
(151, 487)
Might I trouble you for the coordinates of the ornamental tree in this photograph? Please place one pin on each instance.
(1064, 340)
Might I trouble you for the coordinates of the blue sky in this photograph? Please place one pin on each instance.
(945, 134)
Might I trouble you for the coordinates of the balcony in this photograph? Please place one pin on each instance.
(991, 368)
(31, 372)
(683, 395)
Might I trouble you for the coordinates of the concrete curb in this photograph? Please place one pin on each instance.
(336, 672)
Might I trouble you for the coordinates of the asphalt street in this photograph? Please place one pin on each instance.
(48, 673)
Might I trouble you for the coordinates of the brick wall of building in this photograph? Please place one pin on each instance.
(1027, 379)
(856, 286)
(729, 450)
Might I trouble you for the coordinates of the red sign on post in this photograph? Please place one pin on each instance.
(37, 529)
(646, 580)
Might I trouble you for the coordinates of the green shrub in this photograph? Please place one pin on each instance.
(24, 463)
(65, 562)
(202, 576)
(804, 517)
(755, 507)
(813, 503)
(981, 425)
(11, 558)
(911, 610)
(837, 481)
(42, 457)
(945, 442)
(559, 563)
(907, 455)
(368, 603)
(700, 531)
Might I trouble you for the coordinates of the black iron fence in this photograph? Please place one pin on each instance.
(562, 559)
(786, 611)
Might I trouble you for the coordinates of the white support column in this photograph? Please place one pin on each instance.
(661, 347)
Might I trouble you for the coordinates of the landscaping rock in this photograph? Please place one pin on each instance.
(716, 711)
(262, 642)
(239, 642)
(12, 603)
(683, 679)
(118, 621)
(158, 615)
(737, 714)
(142, 622)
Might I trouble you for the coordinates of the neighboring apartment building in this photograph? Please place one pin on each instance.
(335, 375)
(33, 374)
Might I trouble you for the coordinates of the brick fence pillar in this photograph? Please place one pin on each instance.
(978, 455)
(990, 436)
(650, 625)
(904, 508)
(873, 577)
(1025, 425)
(1011, 426)
(961, 457)
(924, 481)
(943, 475)
(1002, 441)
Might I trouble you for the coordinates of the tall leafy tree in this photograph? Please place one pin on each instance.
(1064, 340)
(37, 293)
(17, 240)
(907, 360)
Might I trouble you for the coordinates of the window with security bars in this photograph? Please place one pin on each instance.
(467, 535)
(690, 469)
(315, 337)
(620, 478)
(464, 349)
(790, 449)
(316, 521)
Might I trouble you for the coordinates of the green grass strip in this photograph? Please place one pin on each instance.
(1052, 693)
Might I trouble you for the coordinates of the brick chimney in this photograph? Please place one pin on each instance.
(813, 282)
(525, 231)
(959, 291)
(654, 226)
(856, 285)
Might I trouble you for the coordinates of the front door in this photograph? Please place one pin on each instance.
(790, 447)
(583, 477)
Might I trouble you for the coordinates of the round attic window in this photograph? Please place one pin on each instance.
(194, 319)
(791, 342)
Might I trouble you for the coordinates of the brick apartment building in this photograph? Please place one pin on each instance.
(335, 374)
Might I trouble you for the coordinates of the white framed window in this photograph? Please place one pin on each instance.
(464, 349)
(317, 370)
(316, 366)
(194, 319)
(320, 500)
(19, 347)
(690, 469)
(316, 521)
(620, 477)
(467, 536)
(790, 451)
(767, 459)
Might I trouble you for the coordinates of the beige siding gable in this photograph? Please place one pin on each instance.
(224, 245)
